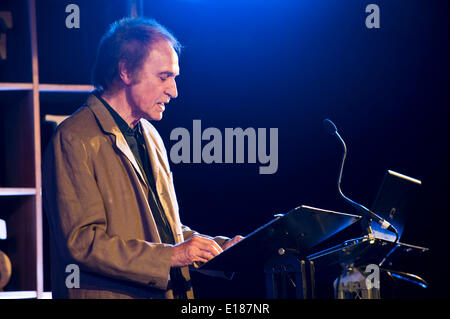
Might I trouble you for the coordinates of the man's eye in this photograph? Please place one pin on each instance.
(163, 78)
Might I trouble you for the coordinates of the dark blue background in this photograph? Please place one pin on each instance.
(288, 65)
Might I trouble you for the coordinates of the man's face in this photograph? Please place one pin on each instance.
(154, 84)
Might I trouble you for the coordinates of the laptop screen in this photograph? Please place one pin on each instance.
(395, 196)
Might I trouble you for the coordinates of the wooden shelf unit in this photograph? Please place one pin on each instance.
(11, 86)
(63, 88)
(17, 191)
(21, 196)
(24, 131)
(20, 173)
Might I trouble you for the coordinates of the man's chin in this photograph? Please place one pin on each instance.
(157, 117)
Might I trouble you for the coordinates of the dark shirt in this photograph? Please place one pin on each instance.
(136, 142)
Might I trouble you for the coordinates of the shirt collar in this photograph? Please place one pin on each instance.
(123, 126)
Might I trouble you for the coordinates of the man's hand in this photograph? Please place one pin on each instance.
(231, 242)
(198, 248)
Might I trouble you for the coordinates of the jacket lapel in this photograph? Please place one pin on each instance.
(108, 124)
(153, 154)
(163, 181)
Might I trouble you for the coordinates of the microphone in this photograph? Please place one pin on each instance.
(364, 211)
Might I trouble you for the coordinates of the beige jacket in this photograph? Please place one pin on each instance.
(98, 213)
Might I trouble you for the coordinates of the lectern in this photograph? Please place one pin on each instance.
(280, 248)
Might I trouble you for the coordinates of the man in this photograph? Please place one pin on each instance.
(108, 189)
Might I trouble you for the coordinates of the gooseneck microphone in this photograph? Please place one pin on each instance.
(364, 211)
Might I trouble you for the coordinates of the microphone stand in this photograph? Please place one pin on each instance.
(366, 221)
(367, 214)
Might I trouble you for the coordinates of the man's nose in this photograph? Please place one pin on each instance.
(172, 89)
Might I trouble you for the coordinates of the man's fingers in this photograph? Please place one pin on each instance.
(236, 239)
(205, 255)
(206, 243)
(198, 248)
(200, 259)
(211, 241)
(233, 241)
(200, 255)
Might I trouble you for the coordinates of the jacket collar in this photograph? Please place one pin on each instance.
(109, 125)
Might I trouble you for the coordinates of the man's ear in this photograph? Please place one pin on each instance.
(125, 76)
